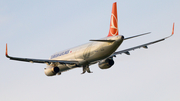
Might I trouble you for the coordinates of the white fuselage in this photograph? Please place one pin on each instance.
(88, 53)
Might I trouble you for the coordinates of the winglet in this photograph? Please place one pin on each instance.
(173, 29)
(6, 51)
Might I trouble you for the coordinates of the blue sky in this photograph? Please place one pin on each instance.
(37, 29)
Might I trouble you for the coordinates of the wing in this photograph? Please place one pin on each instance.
(126, 51)
(40, 60)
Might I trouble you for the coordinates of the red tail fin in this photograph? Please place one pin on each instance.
(113, 31)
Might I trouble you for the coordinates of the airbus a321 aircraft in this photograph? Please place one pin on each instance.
(99, 51)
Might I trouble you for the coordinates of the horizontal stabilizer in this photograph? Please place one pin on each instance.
(103, 40)
(136, 36)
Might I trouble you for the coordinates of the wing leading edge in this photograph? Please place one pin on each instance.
(40, 60)
(126, 51)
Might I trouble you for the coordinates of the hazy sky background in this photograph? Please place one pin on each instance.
(37, 29)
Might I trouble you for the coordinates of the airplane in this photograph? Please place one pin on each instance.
(101, 51)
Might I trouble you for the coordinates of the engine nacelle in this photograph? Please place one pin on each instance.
(106, 63)
(50, 71)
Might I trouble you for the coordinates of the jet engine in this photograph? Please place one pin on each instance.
(50, 71)
(106, 63)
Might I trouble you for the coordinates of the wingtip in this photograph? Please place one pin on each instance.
(173, 29)
(6, 50)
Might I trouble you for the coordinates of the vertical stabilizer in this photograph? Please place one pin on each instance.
(113, 30)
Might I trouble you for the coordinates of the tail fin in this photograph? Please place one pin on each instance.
(113, 30)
